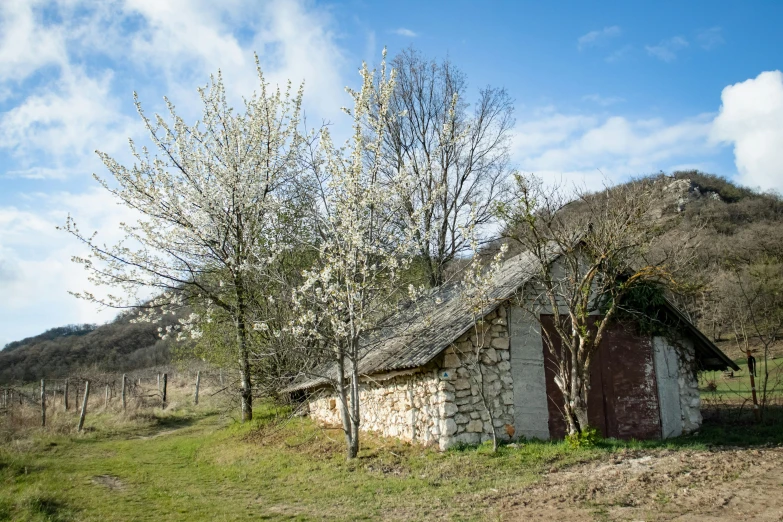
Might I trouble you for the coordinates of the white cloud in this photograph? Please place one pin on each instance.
(597, 149)
(74, 107)
(619, 54)
(667, 50)
(604, 101)
(751, 118)
(35, 267)
(596, 37)
(292, 42)
(66, 122)
(405, 32)
(25, 43)
(709, 39)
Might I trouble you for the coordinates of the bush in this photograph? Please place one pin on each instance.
(587, 438)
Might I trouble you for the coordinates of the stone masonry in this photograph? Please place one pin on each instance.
(443, 402)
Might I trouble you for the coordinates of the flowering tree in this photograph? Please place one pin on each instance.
(357, 278)
(213, 208)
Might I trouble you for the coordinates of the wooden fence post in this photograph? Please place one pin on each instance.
(159, 391)
(221, 376)
(43, 403)
(198, 382)
(65, 396)
(165, 381)
(106, 398)
(84, 405)
(124, 379)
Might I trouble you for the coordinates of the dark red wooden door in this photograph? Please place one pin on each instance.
(623, 398)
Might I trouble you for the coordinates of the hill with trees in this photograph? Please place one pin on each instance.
(120, 345)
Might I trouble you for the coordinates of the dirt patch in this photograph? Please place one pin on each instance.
(109, 481)
(727, 484)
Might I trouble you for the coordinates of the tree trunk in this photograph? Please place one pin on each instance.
(198, 382)
(165, 384)
(244, 355)
(575, 400)
(353, 450)
(246, 393)
(345, 415)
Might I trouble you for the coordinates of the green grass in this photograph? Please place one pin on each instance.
(739, 384)
(207, 469)
(192, 464)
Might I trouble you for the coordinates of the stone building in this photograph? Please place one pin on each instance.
(419, 383)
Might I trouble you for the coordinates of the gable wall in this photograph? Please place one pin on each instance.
(473, 395)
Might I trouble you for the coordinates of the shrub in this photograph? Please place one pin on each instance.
(587, 438)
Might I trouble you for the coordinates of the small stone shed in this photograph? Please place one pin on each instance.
(416, 387)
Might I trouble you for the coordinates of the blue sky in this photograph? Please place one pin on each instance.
(603, 91)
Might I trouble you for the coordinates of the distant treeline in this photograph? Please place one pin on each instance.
(117, 346)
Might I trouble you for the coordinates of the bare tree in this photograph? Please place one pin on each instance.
(591, 253)
(754, 307)
(458, 155)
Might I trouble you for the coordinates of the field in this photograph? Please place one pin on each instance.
(195, 463)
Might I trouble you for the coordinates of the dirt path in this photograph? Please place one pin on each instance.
(727, 484)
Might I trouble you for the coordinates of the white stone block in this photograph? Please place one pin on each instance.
(448, 427)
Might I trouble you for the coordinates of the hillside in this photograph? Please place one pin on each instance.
(734, 224)
(739, 259)
(117, 346)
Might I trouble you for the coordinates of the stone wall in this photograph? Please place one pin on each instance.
(441, 403)
(408, 406)
(470, 416)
